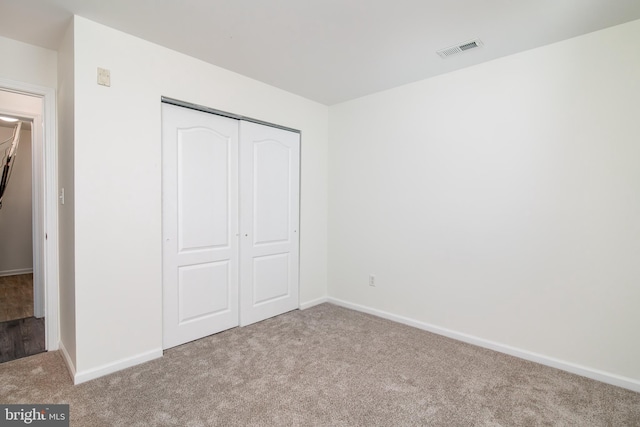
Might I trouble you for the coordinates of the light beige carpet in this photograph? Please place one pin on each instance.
(326, 366)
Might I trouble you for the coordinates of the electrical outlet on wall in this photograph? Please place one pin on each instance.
(372, 280)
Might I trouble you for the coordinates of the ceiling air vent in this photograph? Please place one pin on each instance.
(459, 48)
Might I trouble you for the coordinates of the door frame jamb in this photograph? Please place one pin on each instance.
(48, 215)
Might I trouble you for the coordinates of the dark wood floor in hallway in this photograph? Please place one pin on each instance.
(21, 334)
(21, 338)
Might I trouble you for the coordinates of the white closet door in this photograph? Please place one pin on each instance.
(199, 224)
(269, 218)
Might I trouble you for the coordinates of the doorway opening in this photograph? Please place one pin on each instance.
(21, 316)
(28, 222)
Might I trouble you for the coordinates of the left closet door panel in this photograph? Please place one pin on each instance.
(200, 224)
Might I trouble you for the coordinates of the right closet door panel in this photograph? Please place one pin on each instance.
(269, 220)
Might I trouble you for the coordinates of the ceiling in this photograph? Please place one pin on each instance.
(326, 50)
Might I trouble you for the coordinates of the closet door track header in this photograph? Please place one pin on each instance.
(197, 107)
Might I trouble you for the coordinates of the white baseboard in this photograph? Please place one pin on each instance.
(67, 360)
(309, 304)
(90, 374)
(595, 374)
(16, 272)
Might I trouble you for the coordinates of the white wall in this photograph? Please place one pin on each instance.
(26, 63)
(117, 174)
(501, 201)
(16, 243)
(66, 212)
